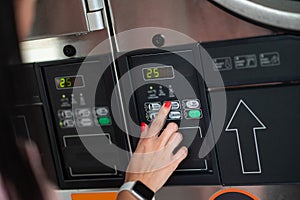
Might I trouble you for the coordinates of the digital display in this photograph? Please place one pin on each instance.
(161, 72)
(68, 82)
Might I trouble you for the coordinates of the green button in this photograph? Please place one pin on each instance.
(195, 113)
(104, 121)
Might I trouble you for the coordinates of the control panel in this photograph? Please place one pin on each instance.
(163, 75)
(91, 111)
(86, 134)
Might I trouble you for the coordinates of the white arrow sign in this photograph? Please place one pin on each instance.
(252, 164)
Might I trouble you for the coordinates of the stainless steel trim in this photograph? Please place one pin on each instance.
(50, 49)
(272, 192)
(95, 21)
(280, 13)
(113, 29)
(52, 18)
(112, 44)
(59, 17)
(94, 5)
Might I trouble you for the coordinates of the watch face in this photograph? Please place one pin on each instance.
(143, 190)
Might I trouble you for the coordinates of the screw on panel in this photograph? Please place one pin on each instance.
(69, 50)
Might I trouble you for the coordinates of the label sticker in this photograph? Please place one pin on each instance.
(269, 59)
(245, 61)
(222, 64)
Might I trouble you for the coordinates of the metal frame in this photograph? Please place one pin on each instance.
(281, 13)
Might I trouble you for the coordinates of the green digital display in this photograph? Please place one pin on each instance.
(161, 72)
(68, 82)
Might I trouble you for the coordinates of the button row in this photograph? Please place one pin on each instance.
(70, 123)
(173, 115)
(84, 117)
(191, 109)
(84, 122)
(176, 115)
(83, 112)
(175, 105)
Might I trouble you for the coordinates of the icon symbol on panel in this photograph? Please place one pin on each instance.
(64, 101)
(82, 100)
(101, 111)
(85, 122)
(245, 61)
(175, 115)
(154, 106)
(73, 100)
(222, 64)
(191, 103)
(269, 59)
(67, 123)
(64, 114)
(152, 116)
(83, 112)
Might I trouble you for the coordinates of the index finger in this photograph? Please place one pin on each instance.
(159, 121)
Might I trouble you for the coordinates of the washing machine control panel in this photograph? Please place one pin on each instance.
(94, 126)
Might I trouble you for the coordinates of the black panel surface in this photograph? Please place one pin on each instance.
(260, 141)
(193, 170)
(255, 60)
(77, 120)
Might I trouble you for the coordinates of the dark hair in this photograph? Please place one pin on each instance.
(15, 169)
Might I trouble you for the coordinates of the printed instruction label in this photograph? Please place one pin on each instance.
(245, 61)
(269, 59)
(222, 64)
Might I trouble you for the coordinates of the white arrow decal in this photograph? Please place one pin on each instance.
(245, 163)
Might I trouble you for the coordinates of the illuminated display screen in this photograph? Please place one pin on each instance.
(69, 82)
(161, 72)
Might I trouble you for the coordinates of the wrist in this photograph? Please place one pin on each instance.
(150, 183)
(138, 190)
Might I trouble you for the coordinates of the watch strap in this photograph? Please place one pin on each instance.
(129, 187)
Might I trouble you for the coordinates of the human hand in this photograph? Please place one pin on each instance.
(153, 161)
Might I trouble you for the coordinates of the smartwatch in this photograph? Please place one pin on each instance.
(139, 190)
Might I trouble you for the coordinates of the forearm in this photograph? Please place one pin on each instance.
(126, 195)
